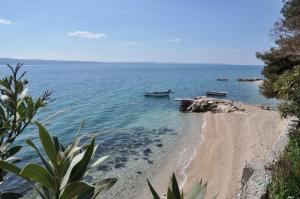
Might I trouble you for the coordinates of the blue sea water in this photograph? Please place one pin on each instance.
(131, 128)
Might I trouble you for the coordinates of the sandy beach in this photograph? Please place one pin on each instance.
(229, 140)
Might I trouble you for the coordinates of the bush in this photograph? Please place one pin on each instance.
(63, 171)
(197, 192)
(17, 110)
(286, 174)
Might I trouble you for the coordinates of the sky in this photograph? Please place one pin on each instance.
(186, 31)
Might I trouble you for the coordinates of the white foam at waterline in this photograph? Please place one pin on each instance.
(185, 166)
(204, 124)
(182, 172)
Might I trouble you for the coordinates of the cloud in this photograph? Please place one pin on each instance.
(86, 34)
(131, 43)
(175, 40)
(5, 21)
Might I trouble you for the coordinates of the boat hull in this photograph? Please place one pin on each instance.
(222, 79)
(157, 94)
(215, 93)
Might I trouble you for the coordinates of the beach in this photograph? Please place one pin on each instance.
(229, 140)
(144, 137)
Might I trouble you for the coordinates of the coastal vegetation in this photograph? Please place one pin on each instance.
(282, 81)
(64, 168)
(197, 192)
(17, 109)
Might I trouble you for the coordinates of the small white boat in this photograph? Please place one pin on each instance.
(158, 94)
(216, 93)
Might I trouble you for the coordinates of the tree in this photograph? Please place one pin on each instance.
(17, 110)
(283, 60)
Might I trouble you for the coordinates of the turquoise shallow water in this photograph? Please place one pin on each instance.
(131, 128)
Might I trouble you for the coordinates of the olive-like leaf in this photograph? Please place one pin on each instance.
(154, 193)
(99, 161)
(13, 150)
(45, 162)
(79, 170)
(10, 167)
(174, 186)
(48, 144)
(103, 186)
(75, 189)
(38, 174)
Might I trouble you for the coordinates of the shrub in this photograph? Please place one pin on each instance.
(197, 192)
(17, 110)
(63, 171)
(286, 174)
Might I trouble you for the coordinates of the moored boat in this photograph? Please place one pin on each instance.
(216, 93)
(158, 93)
(222, 79)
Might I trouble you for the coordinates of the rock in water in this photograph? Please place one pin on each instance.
(204, 104)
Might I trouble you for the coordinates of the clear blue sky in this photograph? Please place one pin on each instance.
(206, 31)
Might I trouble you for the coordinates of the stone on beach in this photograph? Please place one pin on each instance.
(204, 104)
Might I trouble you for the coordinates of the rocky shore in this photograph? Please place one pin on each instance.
(249, 80)
(205, 104)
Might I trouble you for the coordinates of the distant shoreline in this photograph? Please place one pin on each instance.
(4, 61)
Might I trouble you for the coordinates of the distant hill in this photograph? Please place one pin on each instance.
(12, 61)
(4, 61)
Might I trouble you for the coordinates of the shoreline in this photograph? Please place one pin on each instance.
(179, 156)
(230, 140)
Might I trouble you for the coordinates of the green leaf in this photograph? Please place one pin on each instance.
(198, 191)
(73, 163)
(75, 189)
(79, 170)
(38, 174)
(56, 143)
(103, 186)
(170, 194)
(63, 167)
(45, 162)
(10, 195)
(48, 144)
(74, 146)
(174, 186)
(13, 150)
(10, 167)
(99, 161)
(154, 193)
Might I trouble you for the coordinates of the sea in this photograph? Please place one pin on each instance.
(141, 135)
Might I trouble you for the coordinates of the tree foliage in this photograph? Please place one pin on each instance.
(282, 80)
(282, 61)
(17, 110)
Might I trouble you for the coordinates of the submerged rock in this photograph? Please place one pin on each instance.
(159, 145)
(147, 151)
(150, 162)
(119, 165)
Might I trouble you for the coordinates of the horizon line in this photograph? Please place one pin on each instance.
(134, 62)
